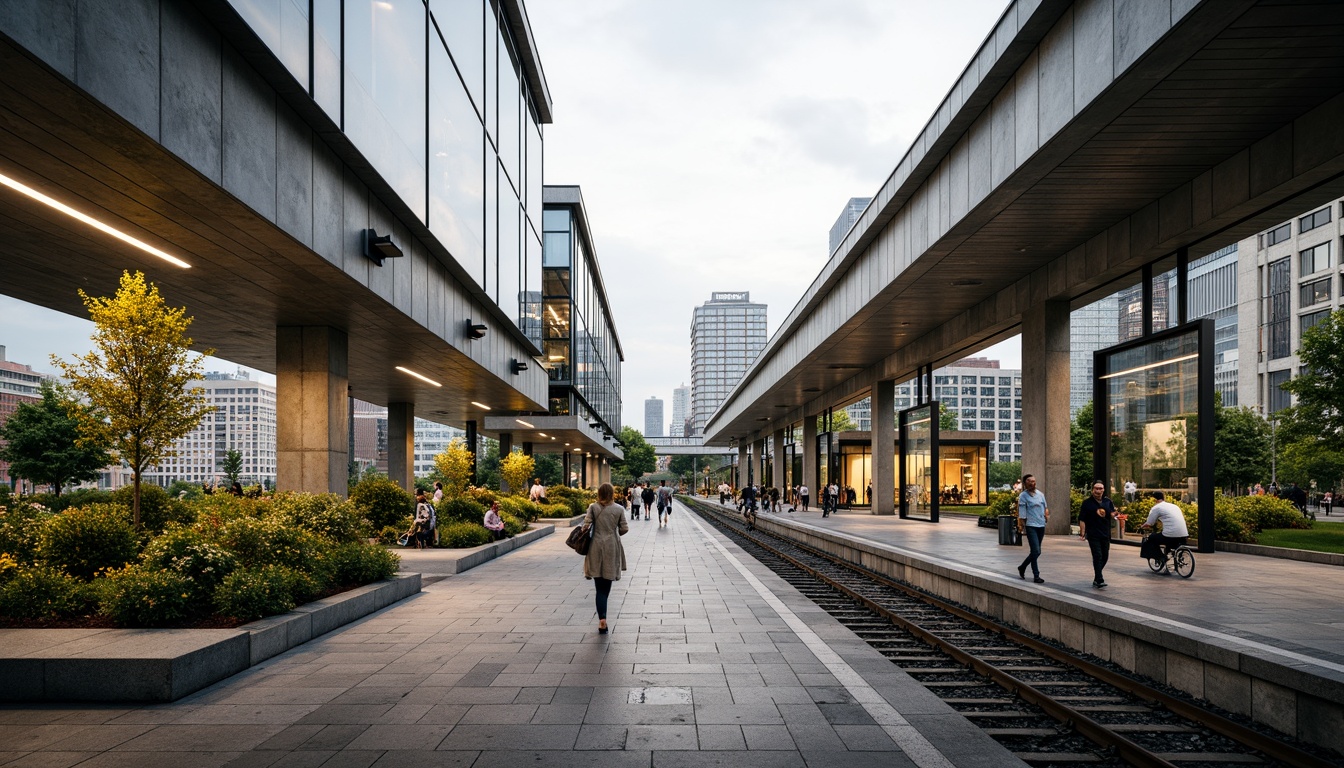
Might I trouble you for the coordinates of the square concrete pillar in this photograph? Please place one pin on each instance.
(777, 459)
(312, 414)
(401, 444)
(883, 448)
(1045, 406)
(809, 477)
(565, 468)
(604, 472)
(758, 462)
(742, 463)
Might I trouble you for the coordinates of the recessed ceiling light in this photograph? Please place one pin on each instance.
(543, 434)
(480, 405)
(966, 283)
(425, 379)
(92, 222)
(524, 423)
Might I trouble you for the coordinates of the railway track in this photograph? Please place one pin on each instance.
(1049, 706)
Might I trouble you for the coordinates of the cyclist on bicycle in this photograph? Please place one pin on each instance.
(1174, 533)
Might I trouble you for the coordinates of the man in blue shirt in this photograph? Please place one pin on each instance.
(1032, 513)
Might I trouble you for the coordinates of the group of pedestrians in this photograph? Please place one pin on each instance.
(645, 496)
(605, 520)
(1094, 527)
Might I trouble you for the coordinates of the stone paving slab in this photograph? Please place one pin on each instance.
(712, 660)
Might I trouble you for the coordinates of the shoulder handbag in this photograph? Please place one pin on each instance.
(580, 539)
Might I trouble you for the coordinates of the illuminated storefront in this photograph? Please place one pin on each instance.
(963, 466)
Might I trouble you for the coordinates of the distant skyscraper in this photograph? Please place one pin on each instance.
(681, 411)
(727, 333)
(1093, 327)
(19, 384)
(853, 209)
(653, 417)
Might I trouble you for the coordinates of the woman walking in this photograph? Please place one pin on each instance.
(606, 557)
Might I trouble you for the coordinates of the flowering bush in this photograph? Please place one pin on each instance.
(460, 510)
(186, 552)
(325, 514)
(382, 502)
(463, 535)
(84, 540)
(145, 596)
(42, 592)
(361, 564)
(1261, 512)
(251, 593)
(20, 524)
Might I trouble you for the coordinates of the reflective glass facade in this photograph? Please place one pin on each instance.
(581, 351)
(435, 97)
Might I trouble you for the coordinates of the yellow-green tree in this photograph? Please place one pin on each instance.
(135, 379)
(517, 469)
(454, 464)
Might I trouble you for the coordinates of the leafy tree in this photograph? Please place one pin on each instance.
(1319, 389)
(516, 469)
(136, 378)
(1311, 458)
(42, 442)
(639, 455)
(549, 469)
(487, 463)
(1004, 472)
(232, 465)
(841, 421)
(948, 421)
(1241, 447)
(454, 468)
(1081, 464)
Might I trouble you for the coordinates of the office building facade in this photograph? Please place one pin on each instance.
(653, 417)
(19, 384)
(853, 210)
(1091, 328)
(681, 411)
(1288, 280)
(241, 418)
(727, 333)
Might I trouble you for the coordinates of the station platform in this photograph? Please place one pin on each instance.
(1260, 636)
(712, 660)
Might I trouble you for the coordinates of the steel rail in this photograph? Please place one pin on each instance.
(1217, 723)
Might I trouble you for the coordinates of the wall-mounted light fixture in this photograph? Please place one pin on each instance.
(517, 366)
(475, 330)
(378, 247)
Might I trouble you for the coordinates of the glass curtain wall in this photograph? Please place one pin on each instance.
(434, 97)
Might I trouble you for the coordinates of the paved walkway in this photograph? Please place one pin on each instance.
(712, 661)
(1285, 607)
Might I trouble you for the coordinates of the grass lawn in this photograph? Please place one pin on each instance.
(960, 510)
(1324, 536)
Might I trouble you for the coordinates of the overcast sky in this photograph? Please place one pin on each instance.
(715, 141)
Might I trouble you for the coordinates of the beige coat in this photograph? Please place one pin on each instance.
(606, 557)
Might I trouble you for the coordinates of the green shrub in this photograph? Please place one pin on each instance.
(21, 525)
(1000, 503)
(1076, 498)
(186, 552)
(157, 508)
(513, 525)
(254, 593)
(325, 514)
(462, 535)
(8, 566)
(1228, 525)
(390, 533)
(576, 499)
(141, 596)
(362, 563)
(382, 502)
(42, 592)
(272, 541)
(460, 510)
(556, 509)
(1261, 512)
(84, 540)
(189, 492)
(520, 508)
(483, 496)
(80, 497)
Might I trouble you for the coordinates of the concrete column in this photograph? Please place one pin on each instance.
(809, 477)
(777, 459)
(312, 415)
(604, 472)
(1045, 406)
(758, 461)
(401, 444)
(565, 468)
(883, 448)
(742, 464)
(505, 448)
(583, 472)
(527, 449)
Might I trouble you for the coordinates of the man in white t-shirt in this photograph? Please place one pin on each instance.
(802, 494)
(724, 493)
(1174, 533)
(1131, 490)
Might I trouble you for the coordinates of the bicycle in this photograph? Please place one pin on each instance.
(1182, 560)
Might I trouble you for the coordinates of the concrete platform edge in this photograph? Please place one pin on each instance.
(496, 548)
(213, 656)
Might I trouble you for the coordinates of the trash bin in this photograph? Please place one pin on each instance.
(1008, 530)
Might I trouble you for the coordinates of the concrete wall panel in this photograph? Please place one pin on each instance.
(1138, 24)
(328, 205)
(1003, 139)
(419, 274)
(1175, 210)
(982, 158)
(1317, 136)
(1271, 161)
(1026, 108)
(1093, 50)
(117, 58)
(355, 218)
(192, 113)
(46, 28)
(1056, 78)
(294, 174)
(249, 136)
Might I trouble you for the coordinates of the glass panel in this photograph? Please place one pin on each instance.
(327, 58)
(462, 24)
(1280, 308)
(1152, 415)
(918, 493)
(491, 225)
(556, 283)
(962, 471)
(555, 220)
(1278, 398)
(491, 78)
(510, 122)
(510, 283)
(385, 91)
(1165, 294)
(534, 167)
(531, 284)
(283, 26)
(856, 467)
(457, 173)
